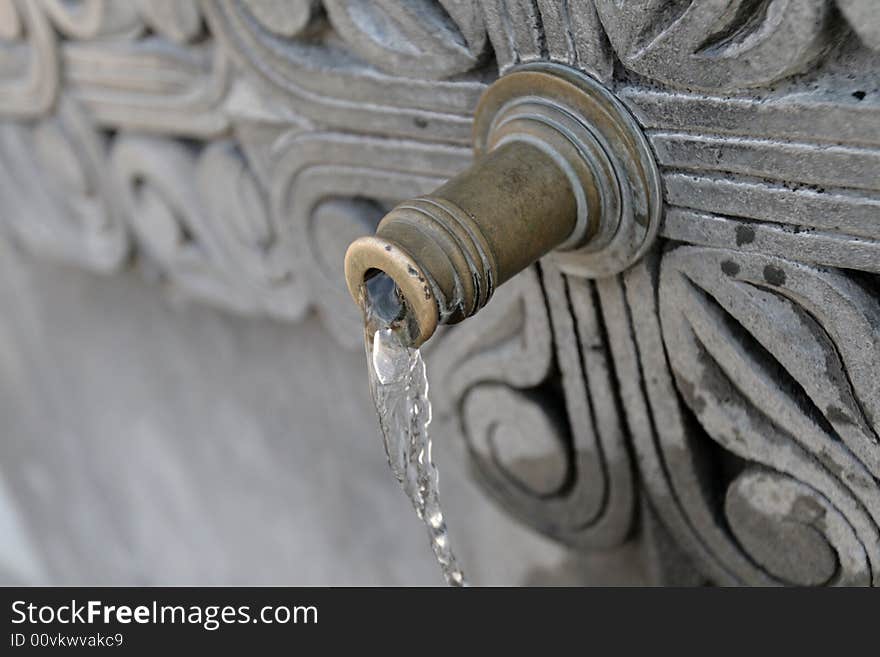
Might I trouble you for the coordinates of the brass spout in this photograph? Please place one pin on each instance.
(561, 166)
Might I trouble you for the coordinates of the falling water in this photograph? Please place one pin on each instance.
(400, 392)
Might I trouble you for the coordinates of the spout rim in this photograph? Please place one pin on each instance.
(371, 252)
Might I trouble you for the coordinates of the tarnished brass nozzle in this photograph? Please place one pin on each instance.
(561, 166)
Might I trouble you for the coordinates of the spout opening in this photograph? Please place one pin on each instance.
(368, 256)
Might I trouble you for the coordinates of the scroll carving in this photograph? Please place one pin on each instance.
(559, 461)
(28, 60)
(200, 215)
(329, 85)
(56, 194)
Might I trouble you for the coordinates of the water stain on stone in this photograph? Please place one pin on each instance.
(744, 235)
(807, 510)
(774, 275)
(837, 415)
(828, 461)
(865, 482)
(730, 268)
(716, 383)
(688, 391)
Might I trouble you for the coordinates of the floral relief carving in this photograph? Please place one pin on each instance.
(775, 359)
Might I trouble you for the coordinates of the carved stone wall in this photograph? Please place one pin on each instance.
(719, 400)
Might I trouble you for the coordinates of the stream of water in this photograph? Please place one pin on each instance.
(400, 391)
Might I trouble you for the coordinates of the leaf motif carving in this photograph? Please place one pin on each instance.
(777, 360)
(422, 38)
(717, 44)
(90, 19)
(286, 18)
